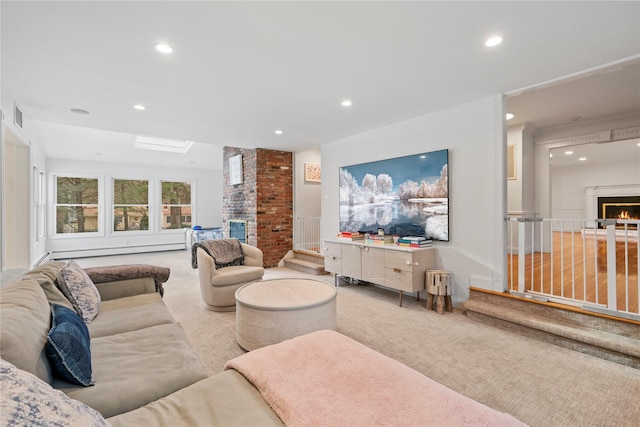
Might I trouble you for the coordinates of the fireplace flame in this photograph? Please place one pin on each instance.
(624, 215)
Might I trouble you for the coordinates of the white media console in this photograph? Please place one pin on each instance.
(396, 267)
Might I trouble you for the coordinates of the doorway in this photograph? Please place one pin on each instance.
(15, 201)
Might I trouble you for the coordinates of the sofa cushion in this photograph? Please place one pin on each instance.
(46, 275)
(76, 285)
(25, 316)
(134, 368)
(28, 401)
(224, 399)
(48, 269)
(68, 347)
(130, 314)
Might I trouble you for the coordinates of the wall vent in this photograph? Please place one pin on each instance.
(17, 116)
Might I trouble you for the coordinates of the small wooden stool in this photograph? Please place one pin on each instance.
(440, 285)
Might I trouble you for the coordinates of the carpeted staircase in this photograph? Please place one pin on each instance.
(597, 335)
(307, 262)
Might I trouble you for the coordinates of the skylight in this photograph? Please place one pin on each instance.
(162, 144)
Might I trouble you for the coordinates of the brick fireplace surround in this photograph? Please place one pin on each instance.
(264, 200)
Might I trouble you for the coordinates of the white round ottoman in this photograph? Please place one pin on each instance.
(271, 311)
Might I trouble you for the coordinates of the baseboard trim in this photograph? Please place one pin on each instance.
(122, 250)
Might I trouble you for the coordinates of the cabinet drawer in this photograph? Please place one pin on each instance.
(398, 279)
(399, 260)
(333, 265)
(373, 265)
(332, 250)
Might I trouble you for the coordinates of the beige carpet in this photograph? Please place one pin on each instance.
(539, 383)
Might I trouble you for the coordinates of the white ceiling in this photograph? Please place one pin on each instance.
(240, 70)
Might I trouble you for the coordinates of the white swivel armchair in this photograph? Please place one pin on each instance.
(218, 285)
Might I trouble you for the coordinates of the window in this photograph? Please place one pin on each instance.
(176, 205)
(77, 207)
(130, 205)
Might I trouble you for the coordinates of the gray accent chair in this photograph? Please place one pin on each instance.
(218, 285)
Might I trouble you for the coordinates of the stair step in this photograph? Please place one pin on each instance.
(305, 266)
(309, 256)
(563, 332)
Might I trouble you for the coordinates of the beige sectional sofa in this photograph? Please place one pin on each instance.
(144, 368)
(146, 373)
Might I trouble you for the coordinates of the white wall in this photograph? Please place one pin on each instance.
(474, 135)
(306, 196)
(208, 201)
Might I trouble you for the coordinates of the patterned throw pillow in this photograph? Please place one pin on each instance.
(68, 347)
(28, 401)
(79, 289)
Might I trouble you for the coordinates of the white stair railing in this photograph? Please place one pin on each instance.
(307, 237)
(593, 264)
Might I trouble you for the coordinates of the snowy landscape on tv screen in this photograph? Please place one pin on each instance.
(406, 196)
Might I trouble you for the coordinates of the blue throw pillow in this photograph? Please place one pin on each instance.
(68, 346)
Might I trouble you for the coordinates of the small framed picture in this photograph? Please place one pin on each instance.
(235, 170)
(312, 173)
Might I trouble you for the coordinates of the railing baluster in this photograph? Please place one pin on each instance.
(541, 256)
(562, 258)
(584, 261)
(521, 255)
(553, 244)
(533, 254)
(573, 260)
(611, 264)
(595, 266)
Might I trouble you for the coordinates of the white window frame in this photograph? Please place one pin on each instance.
(53, 196)
(151, 205)
(160, 204)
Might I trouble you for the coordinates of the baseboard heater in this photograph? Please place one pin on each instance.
(121, 250)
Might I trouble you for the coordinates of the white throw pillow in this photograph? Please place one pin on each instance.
(80, 290)
(28, 401)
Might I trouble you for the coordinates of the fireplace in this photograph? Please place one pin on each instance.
(238, 230)
(625, 207)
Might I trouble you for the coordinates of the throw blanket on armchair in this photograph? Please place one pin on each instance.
(225, 252)
(327, 379)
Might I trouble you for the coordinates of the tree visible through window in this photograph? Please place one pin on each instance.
(76, 205)
(130, 205)
(176, 205)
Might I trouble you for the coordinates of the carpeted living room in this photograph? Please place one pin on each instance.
(266, 213)
(540, 384)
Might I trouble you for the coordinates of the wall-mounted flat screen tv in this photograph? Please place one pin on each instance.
(404, 196)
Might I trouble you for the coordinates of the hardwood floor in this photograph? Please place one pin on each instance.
(577, 279)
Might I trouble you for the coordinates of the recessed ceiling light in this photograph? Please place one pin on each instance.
(510, 116)
(346, 103)
(493, 41)
(139, 107)
(423, 156)
(278, 132)
(79, 111)
(163, 48)
(582, 159)
(568, 153)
